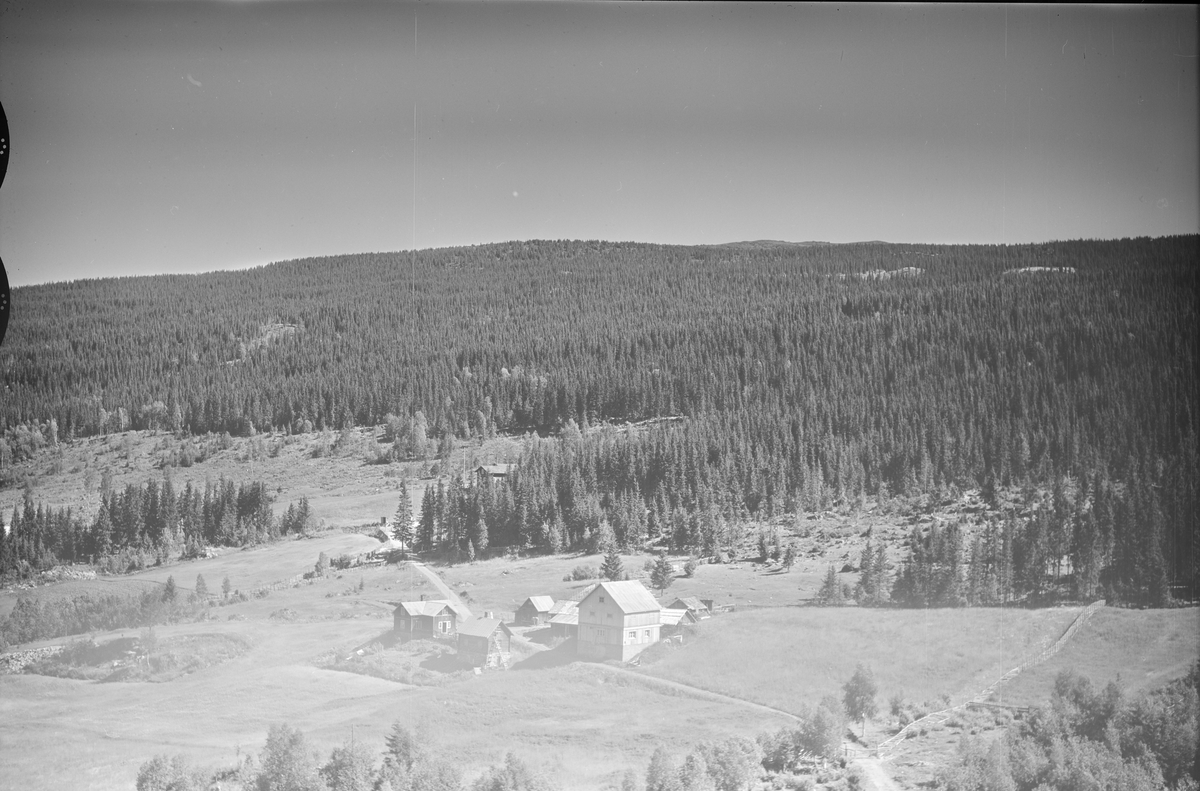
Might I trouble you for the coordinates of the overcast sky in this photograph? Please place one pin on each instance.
(156, 137)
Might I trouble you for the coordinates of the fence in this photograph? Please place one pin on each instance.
(887, 748)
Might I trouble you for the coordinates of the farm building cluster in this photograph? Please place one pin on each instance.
(609, 620)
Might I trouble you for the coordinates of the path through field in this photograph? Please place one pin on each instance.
(442, 587)
(700, 692)
(876, 778)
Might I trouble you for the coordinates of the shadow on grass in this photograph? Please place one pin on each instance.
(442, 663)
(543, 636)
(386, 639)
(564, 654)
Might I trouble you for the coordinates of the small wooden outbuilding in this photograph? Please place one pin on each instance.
(535, 611)
(692, 604)
(484, 643)
(673, 621)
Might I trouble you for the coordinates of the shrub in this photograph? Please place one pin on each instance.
(584, 572)
(690, 567)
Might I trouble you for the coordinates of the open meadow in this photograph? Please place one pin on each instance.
(580, 723)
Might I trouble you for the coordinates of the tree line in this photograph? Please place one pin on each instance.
(145, 525)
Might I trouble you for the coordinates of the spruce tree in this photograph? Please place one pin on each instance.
(201, 587)
(662, 574)
(612, 569)
(402, 522)
(830, 594)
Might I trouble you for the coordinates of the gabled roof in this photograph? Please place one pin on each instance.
(494, 469)
(431, 608)
(629, 595)
(540, 603)
(482, 627)
(675, 617)
(583, 594)
(568, 617)
(563, 605)
(691, 602)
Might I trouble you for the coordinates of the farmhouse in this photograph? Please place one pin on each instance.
(414, 620)
(617, 620)
(493, 471)
(564, 619)
(535, 611)
(485, 642)
(697, 607)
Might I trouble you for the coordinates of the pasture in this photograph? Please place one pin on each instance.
(790, 657)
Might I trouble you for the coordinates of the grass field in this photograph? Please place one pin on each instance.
(578, 722)
(791, 657)
(1144, 649)
(583, 731)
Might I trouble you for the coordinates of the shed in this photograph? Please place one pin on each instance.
(535, 611)
(618, 620)
(485, 642)
(674, 620)
(692, 604)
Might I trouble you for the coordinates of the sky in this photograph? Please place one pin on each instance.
(176, 136)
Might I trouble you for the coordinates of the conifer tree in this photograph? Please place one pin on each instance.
(201, 587)
(830, 594)
(662, 574)
(611, 568)
(402, 529)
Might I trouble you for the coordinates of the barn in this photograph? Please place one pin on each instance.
(617, 620)
(535, 611)
(415, 620)
(485, 643)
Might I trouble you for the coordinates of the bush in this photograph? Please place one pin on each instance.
(584, 572)
(690, 567)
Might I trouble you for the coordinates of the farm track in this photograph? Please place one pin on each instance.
(698, 692)
(442, 587)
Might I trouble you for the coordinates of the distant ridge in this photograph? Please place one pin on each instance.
(766, 244)
(763, 244)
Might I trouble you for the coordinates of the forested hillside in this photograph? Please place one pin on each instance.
(808, 374)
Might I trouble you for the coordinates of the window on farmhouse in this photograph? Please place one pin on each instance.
(633, 635)
(610, 616)
(602, 600)
(647, 634)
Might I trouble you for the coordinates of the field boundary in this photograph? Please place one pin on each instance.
(886, 749)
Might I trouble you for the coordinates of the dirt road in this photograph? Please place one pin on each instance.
(442, 587)
(876, 777)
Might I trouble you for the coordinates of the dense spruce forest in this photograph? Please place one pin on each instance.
(802, 376)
